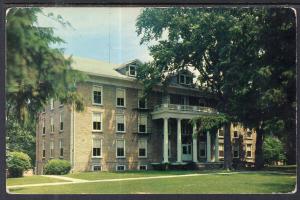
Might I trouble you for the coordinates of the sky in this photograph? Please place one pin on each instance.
(106, 34)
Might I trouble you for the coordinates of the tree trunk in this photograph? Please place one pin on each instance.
(259, 158)
(227, 147)
(291, 145)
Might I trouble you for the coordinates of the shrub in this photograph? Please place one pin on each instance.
(57, 167)
(273, 150)
(17, 163)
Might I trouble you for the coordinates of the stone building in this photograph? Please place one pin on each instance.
(119, 130)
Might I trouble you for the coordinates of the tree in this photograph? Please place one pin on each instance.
(229, 48)
(273, 150)
(17, 163)
(35, 70)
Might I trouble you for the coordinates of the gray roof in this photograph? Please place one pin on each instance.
(97, 67)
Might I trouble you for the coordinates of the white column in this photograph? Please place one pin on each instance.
(195, 159)
(179, 148)
(217, 148)
(166, 140)
(208, 154)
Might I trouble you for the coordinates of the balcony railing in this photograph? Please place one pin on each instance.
(187, 108)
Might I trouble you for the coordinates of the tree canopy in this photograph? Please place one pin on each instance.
(245, 57)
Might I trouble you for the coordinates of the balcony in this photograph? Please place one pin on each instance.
(180, 111)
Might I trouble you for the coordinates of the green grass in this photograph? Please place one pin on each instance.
(31, 180)
(131, 174)
(254, 182)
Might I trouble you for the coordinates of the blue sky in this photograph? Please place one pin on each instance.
(96, 30)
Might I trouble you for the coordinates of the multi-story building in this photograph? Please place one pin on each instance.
(119, 130)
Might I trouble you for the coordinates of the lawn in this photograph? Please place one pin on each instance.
(132, 174)
(253, 182)
(31, 180)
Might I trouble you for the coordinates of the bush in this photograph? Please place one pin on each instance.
(273, 150)
(17, 163)
(57, 167)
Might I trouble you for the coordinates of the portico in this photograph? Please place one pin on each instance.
(189, 143)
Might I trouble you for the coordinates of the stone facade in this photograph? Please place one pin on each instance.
(78, 135)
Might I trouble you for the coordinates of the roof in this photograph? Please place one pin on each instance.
(97, 67)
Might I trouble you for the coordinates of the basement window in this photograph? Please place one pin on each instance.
(120, 168)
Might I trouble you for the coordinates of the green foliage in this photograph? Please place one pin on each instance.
(36, 71)
(210, 122)
(17, 163)
(20, 138)
(273, 150)
(57, 167)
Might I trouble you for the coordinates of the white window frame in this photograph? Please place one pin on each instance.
(121, 166)
(185, 78)
(139, 98)
(250, 151)
(51, 149)
(101, 90)
(51, 104)
(123, 97)
(139, 168)
(201, 144)
(221, 144)
(139, 123)
(117, 148)
(237, 134)
(96, 165)
(43, 148)
(124, 118)
(61, 147)
(61, 116)
(51, 124)
(248, 131)
(238, 151)
(221, 136)
(146, 148)
(101, 120)
(135, 72)
(93, 148)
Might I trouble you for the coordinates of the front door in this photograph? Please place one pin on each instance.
(186, 152)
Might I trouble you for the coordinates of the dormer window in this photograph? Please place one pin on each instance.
(185, 79)
(132, 70)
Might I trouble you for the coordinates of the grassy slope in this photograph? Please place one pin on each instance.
(211, 184)
(31, 180)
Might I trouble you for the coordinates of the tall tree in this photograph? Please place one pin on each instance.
(35, 70)
(226, 47)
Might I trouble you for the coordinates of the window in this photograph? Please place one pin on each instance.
(120, 95)
(249, 151)
(142, 124)
(142, 148)
(249, 133)
(142, 103)
(202, 149)
(51, 149)
(61, 121)
(52, 125)
(120, 123)
(120, 147)
(221, 133)
(120, 168)
(132, 70)
(61, 148)
(236, 151)
(51, 104)
(97, 147)
(235, 134)
(97, 95)
(97, 168)
(97, 122)
(44, 149)
(43, 126)
(185, 79)
(221, 150)
(142, 167)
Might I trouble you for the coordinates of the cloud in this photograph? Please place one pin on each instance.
(97, 29)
